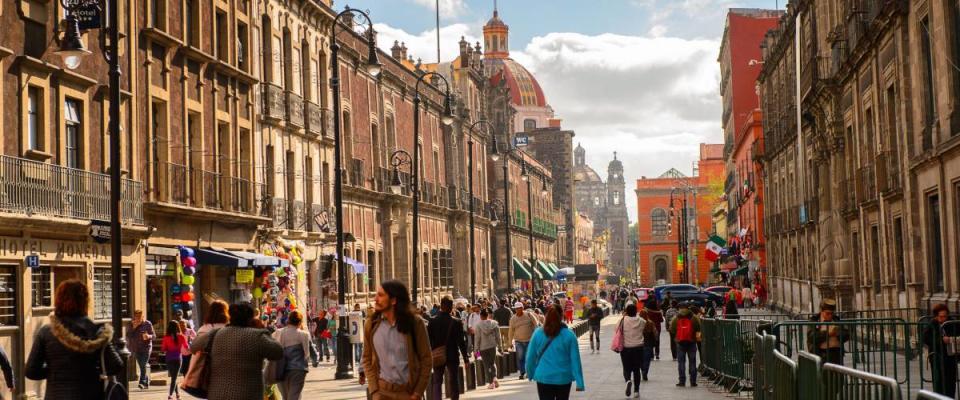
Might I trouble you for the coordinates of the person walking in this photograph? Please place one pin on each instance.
(655, 315)
(140, 336)
(685, 327)
(554, 358)
(218, 316)
(321, 334)
(68, 350)
(568, 307)
(730, 310)
(332, 331)
(172, 346)
(237, 354)
(186, 326)
(446, 331)
(936, 337)
(649, 340)
(669, 315)
(488, 341)
(827, 341)
(473, 318)
(632, 326)
(296, 348)
(522, 326)
(396, 359)
(594, 317)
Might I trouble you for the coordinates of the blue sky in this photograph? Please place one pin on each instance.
(638, 77)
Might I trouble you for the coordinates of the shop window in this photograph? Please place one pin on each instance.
(102, 295)
(8, 295)
(41, 290)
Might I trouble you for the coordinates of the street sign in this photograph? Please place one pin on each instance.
(87, 12)
(32, 261)
(100, 231)
(520, 140)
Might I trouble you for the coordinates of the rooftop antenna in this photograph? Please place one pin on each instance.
(438, 31)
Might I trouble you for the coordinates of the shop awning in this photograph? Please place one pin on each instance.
(259, 260)
(519, 271)
(544, 270)
(533, 270)
(553, 268)
(219, 257)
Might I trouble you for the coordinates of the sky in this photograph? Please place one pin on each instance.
(639, 77)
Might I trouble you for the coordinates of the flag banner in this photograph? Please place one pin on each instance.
(714, 248)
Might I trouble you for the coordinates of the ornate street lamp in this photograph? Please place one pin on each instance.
(71, 45)
(473, 266)
(373, 67)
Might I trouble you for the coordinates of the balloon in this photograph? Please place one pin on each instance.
(186, 288)
(257, 293)
(175, 289)
(268, 252)
(297, 260)
(187, 306)
(177, 298)
(186, 296)
(189, 270)
(176, 306)
(188, 261)
(187, 280)
(186, 252)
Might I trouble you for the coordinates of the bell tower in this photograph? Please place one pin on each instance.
(496, 37)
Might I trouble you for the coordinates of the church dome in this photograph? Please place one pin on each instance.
(524, 88)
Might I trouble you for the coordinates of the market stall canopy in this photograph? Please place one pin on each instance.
(259, 260)
(544, 270)
(211, 256)
(519, 271)
(553, 268)
(533, 270)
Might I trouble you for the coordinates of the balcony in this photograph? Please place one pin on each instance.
(856, 28)
(185, 187)
(240, 195)
(848, 196)
(314, 118)
(36, 188)
(756, 149)
(294, 109)
(315, 220)
(277, 210)
(296, 215)
(453, 199)
(273, 104)
(327, 116)
(210, 182)
(866, 184)
(888, 172)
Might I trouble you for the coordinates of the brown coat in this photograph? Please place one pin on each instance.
(419, 362)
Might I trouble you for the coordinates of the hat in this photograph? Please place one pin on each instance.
(517, 305)
(828, 304)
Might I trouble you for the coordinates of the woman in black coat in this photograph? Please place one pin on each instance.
(67, 351)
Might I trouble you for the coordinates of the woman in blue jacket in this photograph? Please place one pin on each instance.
(553, 358)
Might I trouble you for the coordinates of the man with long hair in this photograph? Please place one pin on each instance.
(446, 330)
(396, 359)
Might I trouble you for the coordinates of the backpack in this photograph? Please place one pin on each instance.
(684, 330)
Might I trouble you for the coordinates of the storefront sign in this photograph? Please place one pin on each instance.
(32, 261)
(53, 249)
(244, 276)
(87, 12)
(100, 231)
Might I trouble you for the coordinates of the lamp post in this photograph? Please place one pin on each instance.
(506, 206)
(373, 67)
(446, 119)
(681, 228)
(72, 50)
(473, 267)
(497, 208)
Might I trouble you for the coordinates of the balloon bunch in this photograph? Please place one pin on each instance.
(182, 294)
(277, 288)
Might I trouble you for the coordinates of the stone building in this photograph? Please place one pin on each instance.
(860, 200)
(604, 203)
(584, 240)
(553, 147)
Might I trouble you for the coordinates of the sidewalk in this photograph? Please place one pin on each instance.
(602, 376)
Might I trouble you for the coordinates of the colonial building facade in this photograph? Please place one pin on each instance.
(604, 203)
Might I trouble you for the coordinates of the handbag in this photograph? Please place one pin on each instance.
(197, 381)
(439, 354)
(112, 390)
(617, 345)
(276, 370)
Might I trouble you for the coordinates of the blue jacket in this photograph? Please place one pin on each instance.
(559, 364)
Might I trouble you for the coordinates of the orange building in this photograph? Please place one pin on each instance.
(657, 232)
(745, 195)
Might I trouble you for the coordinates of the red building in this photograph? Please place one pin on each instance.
(740, 63)
(657, 232)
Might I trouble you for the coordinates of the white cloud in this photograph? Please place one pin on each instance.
(448, 8)
(424, 44)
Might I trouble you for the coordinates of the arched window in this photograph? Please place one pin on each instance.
(661, 268)
(529, 124)
(658, 222)
(616, 198)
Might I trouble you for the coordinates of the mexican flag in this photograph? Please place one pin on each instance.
(714, 245)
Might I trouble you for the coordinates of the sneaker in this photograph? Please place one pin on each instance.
(629, 387)
(681, 384)
(496, 384)
(693, 384)
(636, 395)
(141, 386)
(521, 376)
(491, 386)
(592, 351)
(645, 378)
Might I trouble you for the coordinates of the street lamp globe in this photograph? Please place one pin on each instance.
(71, 48)
(447, 117)
(494, 156)
(396, 185)
(373, 60)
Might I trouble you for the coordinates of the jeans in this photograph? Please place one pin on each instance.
(173, 371)
(357, 353)
(553, 392)
(630, 359)
(142, 359)
(946, 382)
(521, 350)
(453, 371)
(673, 347)
(687, 353)
(292, 384)
(645, 359)
(594, 331)
(489, 357)
(185, 365)
(656, 344)
(332, 343)
(324, 348)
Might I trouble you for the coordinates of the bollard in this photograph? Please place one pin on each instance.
(481, 373)
(501, 365)
(471, 377)
(511, 362)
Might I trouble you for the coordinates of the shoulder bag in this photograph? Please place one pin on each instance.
(617, 344)
(276, 370)
(197, 381)
(439, 354)
(112, 390)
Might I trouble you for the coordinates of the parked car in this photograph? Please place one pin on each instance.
(688, 293)
(720, 290)
(662, 290)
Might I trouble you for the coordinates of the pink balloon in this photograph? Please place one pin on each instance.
(189, 261)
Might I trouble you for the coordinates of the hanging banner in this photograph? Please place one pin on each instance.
(245, 276)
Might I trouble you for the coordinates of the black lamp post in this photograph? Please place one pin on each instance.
(506, 205)
(72, 50)
(344, 351)
(473, 265)
(525, 175)
(446, 119)
(682, 234)
(497, 209)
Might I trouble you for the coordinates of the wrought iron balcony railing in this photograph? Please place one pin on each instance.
(37, 188)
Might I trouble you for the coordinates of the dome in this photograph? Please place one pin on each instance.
(524, 88)
(585, 174)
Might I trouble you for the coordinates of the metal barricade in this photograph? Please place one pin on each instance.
(843, 383)
(927, 395)
(781, 374)
(760, 385)
(808, 376)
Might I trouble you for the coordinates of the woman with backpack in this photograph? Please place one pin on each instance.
(172, 345)
(553, 358)
(631, 328)
(685, 327)
(296, 348)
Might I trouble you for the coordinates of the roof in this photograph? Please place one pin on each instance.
(524, 88)
(672, 173)
(584, 173)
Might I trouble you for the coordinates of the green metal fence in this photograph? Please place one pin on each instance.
(844, 383)
(782, 373)
(808, 376)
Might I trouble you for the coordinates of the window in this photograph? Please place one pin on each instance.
(875, 255)
(661, 268)
(855, 248)
(102, 295)
(658, 221)
(934, 245)
(41, 289)
(287, 61)
(71, 116)
(892, 121)
(222, 52)
(372, 271)
(930, 102)
(192, 22)
(158, 14)
(34, 118)
(900, 255)
(954, 10)
(596, 201)
(35, 38)
(616, 198)
(8, 295)
(266, 42)
(529, 124)
(242, 40)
